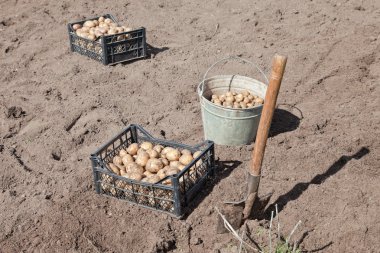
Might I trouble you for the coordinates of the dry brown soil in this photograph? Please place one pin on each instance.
(322, 160)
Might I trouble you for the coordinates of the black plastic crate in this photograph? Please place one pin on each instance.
(108, 49)
(173, 198)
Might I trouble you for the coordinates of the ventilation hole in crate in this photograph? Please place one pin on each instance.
(128, 195)
(166, 205)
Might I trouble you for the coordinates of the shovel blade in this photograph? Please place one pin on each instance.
(233, 214)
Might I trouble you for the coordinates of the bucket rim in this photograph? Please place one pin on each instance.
(201, 84)
(202, 97)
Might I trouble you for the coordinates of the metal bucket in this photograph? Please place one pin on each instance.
(229, 126)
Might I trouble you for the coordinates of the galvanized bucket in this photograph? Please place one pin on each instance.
(229, 126)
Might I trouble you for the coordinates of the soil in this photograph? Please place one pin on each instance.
(56, 107)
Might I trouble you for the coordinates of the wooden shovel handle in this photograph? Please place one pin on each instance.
(278, 68)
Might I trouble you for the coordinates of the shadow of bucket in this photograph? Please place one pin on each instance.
(230, 126)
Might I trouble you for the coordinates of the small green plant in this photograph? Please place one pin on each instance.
(283, 247)
(276, 245)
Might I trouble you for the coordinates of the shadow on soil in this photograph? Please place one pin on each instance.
(153, 51)
(223, 170)
(283, 121)
(300, 188)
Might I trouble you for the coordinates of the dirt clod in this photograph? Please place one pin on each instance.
(15, 112)
(56, 154)
(196, 241)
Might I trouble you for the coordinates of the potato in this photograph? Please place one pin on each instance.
(245, 93)
(141, 150)
(243, 105)
(130, 165)
(152, 153)
(196, 154)
(77, 26)
(186, 159)
(102, 29)
(173, 155)
(108, 21)
(158, 148)
(91, 37)
(175, 164)
(135, 176)
(101, 19)
(251, 97)
(104, 25)
(112, 31)
(161, 174)
(142, 159)
(259, 100)
(147, 173)
(121, 167)
(96, 22)
(98, 34)
(136, 168)
(119, 29)
(185, 152)
(213, 97)
(126, 159)
(114, 168)
(228, 104)
(250, 105)
(153, 179)
(132, 149)
(85, 29)
(181, 167)
(166, 150)
(246, 100)
(164, 161)
(117, 160)
(120, 37)
(146, 145)
(218, 102)
(239, 97)
(166, 168)
(89, 23)
(236, 106)
(154, 165)
(172, 171)
(229, 94)
(230, 99)
(123, 152)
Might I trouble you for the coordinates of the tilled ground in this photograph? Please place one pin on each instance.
(322, 159)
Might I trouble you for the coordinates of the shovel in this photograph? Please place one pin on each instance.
(238, 212)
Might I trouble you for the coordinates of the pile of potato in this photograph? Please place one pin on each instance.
(237, 100)
(93, 29)
(151, 163)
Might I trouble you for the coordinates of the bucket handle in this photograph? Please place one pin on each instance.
(200, 91)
